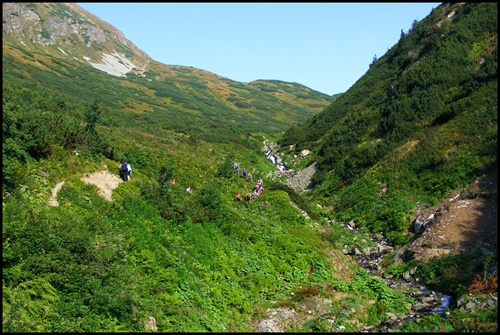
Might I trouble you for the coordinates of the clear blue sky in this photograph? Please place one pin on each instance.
(324, 46)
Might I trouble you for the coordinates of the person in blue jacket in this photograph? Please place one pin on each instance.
(126, 171)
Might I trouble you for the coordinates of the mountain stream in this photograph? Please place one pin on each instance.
(426, 300)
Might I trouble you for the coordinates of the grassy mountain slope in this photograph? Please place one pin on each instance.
(193, 262)
(422, 122)
(62, 46)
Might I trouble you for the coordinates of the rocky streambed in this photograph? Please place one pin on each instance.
(426, 300)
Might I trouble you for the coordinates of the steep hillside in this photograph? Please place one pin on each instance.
(67, 31)
(419, 125)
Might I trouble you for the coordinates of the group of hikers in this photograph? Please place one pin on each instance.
(126, 171)
(244, 173)
(258, 189)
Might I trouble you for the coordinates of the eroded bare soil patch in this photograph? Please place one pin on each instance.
(105, 181)
(465, 223)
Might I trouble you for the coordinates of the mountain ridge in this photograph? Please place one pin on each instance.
(171, 89)
(76, 27)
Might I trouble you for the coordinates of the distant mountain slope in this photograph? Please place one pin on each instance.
(65, 48)
(422, 120)
(67, 31)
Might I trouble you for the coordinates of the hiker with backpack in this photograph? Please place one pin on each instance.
(244, 172)
(126, 171)
(261, 190)
(236, 168)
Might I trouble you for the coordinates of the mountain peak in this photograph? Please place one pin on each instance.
(66, 30)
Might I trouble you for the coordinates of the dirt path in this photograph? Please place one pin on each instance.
(104, 180)
(53, 198)
(463, 223)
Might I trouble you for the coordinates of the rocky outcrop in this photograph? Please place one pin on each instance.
(301, 181)
(34, 24)
(305, 153)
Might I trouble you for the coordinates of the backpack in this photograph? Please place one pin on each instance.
(124, 167)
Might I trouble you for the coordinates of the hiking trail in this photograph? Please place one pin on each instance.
(105, 181)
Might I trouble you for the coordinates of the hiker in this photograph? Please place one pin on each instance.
(129, 171)
(236, 168)
(163, 180)
(244, 172)
(238, 197)
(123, 170)
(249, 177)
(188, 190)
(249, 196)
(126, 171)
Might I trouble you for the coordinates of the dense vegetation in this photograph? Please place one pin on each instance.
(184, 102)
(196, 262)
(422, 122)
(203, 261)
